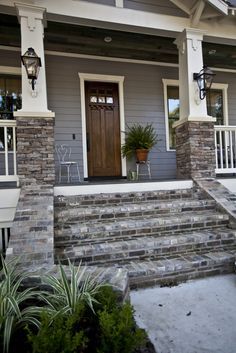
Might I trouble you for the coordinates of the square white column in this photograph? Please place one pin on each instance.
(192, 108)
(31, 18)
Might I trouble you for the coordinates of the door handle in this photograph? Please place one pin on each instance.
(88, 142)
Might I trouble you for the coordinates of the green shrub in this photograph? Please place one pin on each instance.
(63, 335)
(118, 331)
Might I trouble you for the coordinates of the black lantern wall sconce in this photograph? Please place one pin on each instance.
(32, 64)
(204, 80)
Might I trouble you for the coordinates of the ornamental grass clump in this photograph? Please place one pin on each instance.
(14, 311)
(70, 289)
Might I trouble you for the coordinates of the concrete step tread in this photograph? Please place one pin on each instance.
(148, 243)
(125, 210)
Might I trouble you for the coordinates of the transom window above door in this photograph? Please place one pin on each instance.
(216, 100)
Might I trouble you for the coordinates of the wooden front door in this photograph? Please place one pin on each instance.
(103, 129)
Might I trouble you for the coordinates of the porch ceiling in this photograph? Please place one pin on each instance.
(90, 40)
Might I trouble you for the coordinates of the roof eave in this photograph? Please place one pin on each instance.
(220, 5)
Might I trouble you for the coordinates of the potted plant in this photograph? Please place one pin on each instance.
(139, 139)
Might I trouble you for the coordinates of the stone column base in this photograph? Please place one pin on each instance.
(195, 150)
(35, 150)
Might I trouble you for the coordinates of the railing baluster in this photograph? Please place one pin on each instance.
(6, 151)
(231, 149)
(234, 149)
(216, 151)
(221, 149)
(14, 149)
(226, 149)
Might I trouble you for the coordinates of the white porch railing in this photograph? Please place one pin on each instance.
(225, 149)
(8, 168)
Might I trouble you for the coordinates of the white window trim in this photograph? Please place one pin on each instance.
(224, 88)
(221, 86)
(167, 82)
(101, 78)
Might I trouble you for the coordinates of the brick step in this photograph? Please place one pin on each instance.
(171, 270)
(149, 247)
(121, 229)
(61, 202)
(101, 213)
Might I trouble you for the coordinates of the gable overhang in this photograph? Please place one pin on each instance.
(220, 5)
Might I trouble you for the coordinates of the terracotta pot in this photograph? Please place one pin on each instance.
(141, 155)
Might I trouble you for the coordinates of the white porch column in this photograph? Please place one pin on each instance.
(195, 154)
(31, 18)
(189, 43)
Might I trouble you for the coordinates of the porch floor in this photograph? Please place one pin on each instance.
(119, 185)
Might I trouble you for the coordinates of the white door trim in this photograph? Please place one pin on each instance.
(101, 78)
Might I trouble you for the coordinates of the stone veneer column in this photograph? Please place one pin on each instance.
(35, 150)
(195, 152)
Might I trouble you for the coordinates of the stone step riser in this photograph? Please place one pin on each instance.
(77, 215)
(169, 278)
(123, 198)
(155, 244)
(84, 235)
(153, 254)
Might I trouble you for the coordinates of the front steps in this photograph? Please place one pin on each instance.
(157, 236)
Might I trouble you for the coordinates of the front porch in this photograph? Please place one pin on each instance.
(225, 160)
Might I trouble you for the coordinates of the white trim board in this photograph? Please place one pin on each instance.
(116, 59)
(101, 78)
(122, 187)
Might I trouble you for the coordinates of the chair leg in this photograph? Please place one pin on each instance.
(59, 174)
(68, 173)
(137, 170)
(149, 170)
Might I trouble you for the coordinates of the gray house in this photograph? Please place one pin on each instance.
(105, 65)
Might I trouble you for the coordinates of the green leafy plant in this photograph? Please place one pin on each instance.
(139, 136)
(63, 335)
(78, 285)
(118, 331)
(14, 311)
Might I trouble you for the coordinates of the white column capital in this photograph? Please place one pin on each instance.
(189, 34)
(30, 12)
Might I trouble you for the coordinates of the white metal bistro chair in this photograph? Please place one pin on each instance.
(63, 155)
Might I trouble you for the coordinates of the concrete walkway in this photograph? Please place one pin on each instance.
(194, 317)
